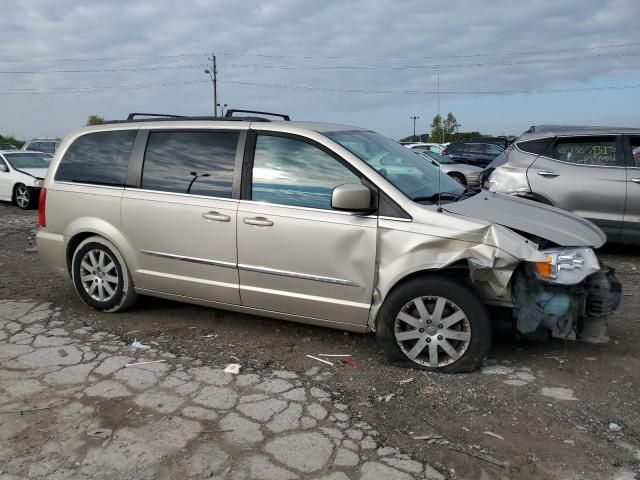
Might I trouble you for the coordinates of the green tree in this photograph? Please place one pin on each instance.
(449, 127)
(12, 140)
(95, 120)
(436, 129)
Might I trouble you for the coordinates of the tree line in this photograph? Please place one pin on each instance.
(442, 131)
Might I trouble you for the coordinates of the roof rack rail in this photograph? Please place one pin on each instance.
(132, 116)
(230, 113)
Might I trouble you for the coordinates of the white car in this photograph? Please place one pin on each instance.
(21, 176)
(421, 147)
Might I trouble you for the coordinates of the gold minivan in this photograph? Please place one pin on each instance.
(323, 224)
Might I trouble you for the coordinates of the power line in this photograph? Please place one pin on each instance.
(33, 91)
(326, 57)
(434, 66)
(104, 70)
(432, 92)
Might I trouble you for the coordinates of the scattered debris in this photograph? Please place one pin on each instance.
(481, 456)
(428, 437)
(211, 335)
(558, 393)
(27, 410)
(139, 345)
(406, 380)
(570, 442)
(144, 363)
(100, 433)
(320, 360)
(614, 427)
(494, 435)
(233, 368)
(428, 390)
(386, 398)
(350, 363)
(333, 355)
(432, 382)
(31, 249)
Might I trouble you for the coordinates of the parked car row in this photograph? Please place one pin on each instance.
(315, 223)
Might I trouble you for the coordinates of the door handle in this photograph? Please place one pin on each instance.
(635, 180)
(545, 173)
(216, 217)
(258, 221)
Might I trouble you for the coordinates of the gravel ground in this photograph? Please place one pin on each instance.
(549, 410)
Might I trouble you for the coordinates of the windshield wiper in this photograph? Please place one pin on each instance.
(441, 196)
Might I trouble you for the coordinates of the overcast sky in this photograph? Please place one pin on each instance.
(367, 63)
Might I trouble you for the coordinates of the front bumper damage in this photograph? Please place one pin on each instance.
(565, 311)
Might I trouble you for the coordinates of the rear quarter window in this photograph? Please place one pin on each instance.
(100, 158)
(539, 146)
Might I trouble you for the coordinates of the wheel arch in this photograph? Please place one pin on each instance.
(83, 228)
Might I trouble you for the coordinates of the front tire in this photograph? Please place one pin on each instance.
(23, 196)
(434, 323)
(101, 277)
(458, 177)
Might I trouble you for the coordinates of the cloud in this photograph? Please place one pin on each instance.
(399, 45)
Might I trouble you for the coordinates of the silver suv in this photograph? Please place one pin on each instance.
(593, 172)
(323, 224)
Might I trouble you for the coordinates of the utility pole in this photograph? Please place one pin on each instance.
(441, 120)
(214, 79)
(414, 118)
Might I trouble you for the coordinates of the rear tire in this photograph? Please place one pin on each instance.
(434, 323)
(23, 196)
(101, 277)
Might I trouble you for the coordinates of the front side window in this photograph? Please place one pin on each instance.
(599, 151)
(292, 172)
(100, 158)
(410, 173)
(197, 163)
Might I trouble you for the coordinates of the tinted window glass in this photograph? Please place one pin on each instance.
(455, 147)
(200, 163)
(536, 147)
(33, 146)
(586, 151)
(100, 158)
(292, 172)
(494, 149)
(475, 148)
(635, 150)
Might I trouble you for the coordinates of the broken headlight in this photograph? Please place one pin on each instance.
(567, 266)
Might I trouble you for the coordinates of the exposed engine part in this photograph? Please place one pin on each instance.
(538, 305)
(604, 292)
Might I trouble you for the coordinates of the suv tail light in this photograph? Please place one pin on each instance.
(42, 208)
(444, 153)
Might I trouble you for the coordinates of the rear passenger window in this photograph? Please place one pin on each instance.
(599, 151)
(494, 149)
(199, 163)
(100, 158)
(537, 146)
(635, 151)
(475, 148)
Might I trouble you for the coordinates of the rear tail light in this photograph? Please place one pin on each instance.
(42, 208)
(444, 153)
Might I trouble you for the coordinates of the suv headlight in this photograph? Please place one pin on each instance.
(38, 182)
(509, 180)
(567, 266)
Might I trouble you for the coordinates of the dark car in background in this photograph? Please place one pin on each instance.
(46, 145)
(478, 154)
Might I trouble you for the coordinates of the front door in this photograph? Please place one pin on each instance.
(182, 219)
(585, 175)
(295, 254)
(631, 227)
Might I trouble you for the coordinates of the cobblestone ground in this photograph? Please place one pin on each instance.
(72, 407)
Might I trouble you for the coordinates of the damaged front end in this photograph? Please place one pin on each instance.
(569, 296)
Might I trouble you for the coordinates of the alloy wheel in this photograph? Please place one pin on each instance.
(99, 275)
(22, 196)
(432, 331)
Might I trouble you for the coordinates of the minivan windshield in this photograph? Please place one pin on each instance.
(406, 170)
(20, 161)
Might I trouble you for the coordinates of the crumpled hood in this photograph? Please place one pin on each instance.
(36, 172)
(550, 223)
